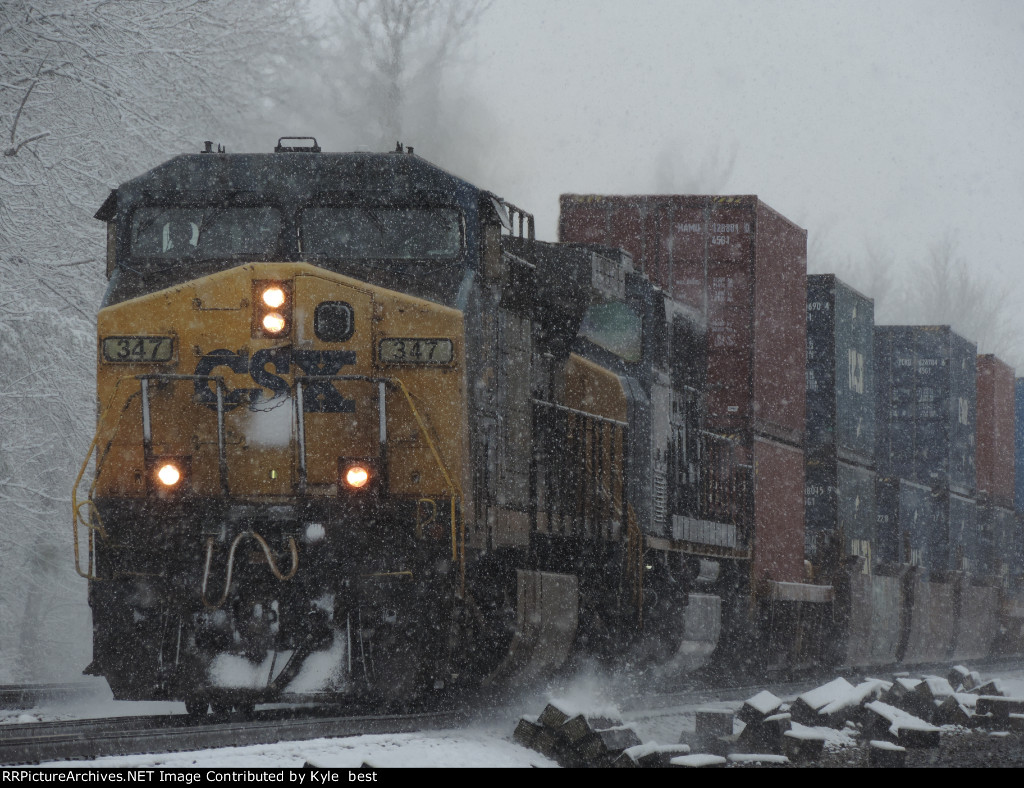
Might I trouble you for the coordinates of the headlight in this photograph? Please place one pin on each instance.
(273, 297)
(272, 308)
(169, 474)
(357, 476)
(274, 323)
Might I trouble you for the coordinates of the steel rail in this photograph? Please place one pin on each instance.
(177, 733)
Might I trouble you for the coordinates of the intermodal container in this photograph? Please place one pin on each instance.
(925, 406)
(839, 505)
(778, 512)
(999, 541)
(1019, 445)
(996, 434)
(743, 266)
(840, 375)
(908, 515)
(959, 551)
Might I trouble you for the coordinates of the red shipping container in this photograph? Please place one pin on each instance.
(740, 264)
(994, 453)
(778, 513)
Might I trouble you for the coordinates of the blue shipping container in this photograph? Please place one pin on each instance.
(840, 376)
(840, 503)
(908, 516)
(926, 406)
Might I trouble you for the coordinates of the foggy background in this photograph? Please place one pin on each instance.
(890, 130)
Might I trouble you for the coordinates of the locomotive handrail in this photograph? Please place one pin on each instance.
(231, 564)
(76, 508)
(575, 412)
(222, 459)
(94, 513)
(458, 527)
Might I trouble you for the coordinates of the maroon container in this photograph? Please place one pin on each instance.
(995, 446)
(743, 266)
(778, 512)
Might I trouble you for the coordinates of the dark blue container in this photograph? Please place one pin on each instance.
(926, 405)
(960, 550)
(999, 541)
(839, 504)
(840, 377)
(908, 517)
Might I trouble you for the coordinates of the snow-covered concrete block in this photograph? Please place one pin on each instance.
(991, 688)
(806, 707)
(758, 758)
(848, 706)
(803, 744)
(960, 677)
(999, 707)
(580, 727)
(951, 712)
(603, 747)
(698, 761)
(714, 722)
(886, 755)
(755, 709)
(553, 716)
(650, 756)
(893, 724)
(764, 735)
(526, 731)
(934, 688)
(904, 694)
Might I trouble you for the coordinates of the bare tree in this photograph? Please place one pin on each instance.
(939, 289)
(378, 71)
(92, 92)
(399, 47)
(947, 291)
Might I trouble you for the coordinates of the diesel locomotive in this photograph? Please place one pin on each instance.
(359, 432)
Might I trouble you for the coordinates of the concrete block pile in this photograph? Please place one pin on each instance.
(883, 718)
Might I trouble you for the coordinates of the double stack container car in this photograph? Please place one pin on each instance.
(741, 266)
(840, 488)
(925, 436)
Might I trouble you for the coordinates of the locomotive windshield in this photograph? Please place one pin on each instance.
(174, 234)
(615, 327)
(354, 232)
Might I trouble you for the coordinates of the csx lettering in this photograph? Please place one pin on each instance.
(318, 396)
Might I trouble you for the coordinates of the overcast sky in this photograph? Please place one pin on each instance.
(889, 123)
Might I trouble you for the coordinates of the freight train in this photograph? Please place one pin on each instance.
(360, 433)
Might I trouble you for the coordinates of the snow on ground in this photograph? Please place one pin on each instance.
(486, 741)
(447, 748)
(95, 701)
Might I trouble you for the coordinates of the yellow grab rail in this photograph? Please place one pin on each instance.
(458, 528)
(94, 522)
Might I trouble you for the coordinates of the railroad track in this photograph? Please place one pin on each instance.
(85, 739)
